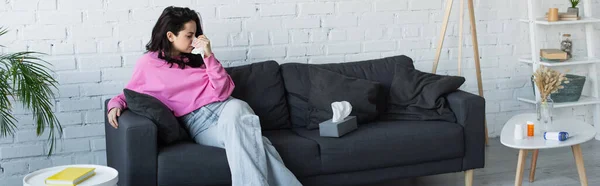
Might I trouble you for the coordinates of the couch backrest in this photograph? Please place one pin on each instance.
(261, 86)
(297, 82)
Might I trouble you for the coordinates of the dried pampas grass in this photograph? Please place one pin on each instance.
(548, 81)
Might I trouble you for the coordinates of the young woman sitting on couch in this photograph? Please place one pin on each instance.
(198, 90)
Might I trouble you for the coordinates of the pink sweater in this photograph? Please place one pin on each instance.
(182, 90)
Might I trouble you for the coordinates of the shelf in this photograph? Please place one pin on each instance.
(583, 100)
(584, 20)
(573, 61)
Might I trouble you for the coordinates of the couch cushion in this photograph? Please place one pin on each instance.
(209, 164)
(188, 163)
(387, 144)
(261, 86)
(297, 82)
(300, 155)
(328, 87)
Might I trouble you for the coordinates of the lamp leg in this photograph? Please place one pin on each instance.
(442, 35)
(460, 35)
(476, 57)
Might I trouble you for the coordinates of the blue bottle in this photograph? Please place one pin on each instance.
(559, 136)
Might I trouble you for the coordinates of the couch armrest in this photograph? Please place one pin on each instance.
(469, 110)
(132, 149)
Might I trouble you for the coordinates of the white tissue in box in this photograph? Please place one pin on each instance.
(341, 110)
(337, 129)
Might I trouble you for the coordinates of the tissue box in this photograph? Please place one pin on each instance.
(331, 129)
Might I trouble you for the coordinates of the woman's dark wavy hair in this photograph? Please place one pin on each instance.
(173, 19)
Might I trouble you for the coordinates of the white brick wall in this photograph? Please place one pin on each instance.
(278, 9)
(94, 44)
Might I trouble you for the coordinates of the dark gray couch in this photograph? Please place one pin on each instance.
(375, 152)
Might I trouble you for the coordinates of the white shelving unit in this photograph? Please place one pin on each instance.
(573, 61)
(590, 60)
(583, 20)
(583, 100)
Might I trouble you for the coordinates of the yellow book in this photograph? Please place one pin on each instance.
(61, 185)
(70, 176)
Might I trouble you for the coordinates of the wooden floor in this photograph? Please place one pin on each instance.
(555, 167)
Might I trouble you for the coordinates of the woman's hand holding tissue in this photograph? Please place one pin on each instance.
(202, 46)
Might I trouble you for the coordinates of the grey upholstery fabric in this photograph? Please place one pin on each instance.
(188, 163)
(191, 164)
(297, 82)
(469, 110)
(299, 154)
(328, 87)
(261, 86)
(369, 177)
(389, 143)
(131, 149)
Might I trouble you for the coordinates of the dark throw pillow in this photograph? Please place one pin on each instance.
(261, 86)
(169, 129)
(416, 95)
(327, 87)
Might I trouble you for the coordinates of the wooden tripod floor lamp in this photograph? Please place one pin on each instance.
(460, 42)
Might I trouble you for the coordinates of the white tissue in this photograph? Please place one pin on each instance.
(198, 50)
(341, 110)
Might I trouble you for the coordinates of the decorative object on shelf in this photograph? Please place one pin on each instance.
(553, 14)
(547, 81)
(566, 16)
(471, 9)
(556, 55)
(571, 91)
(566, 45)
(573, 8)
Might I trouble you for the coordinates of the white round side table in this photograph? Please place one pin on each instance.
(579, 132)
(105, 176)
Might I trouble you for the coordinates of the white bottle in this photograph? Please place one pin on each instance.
(519, 131)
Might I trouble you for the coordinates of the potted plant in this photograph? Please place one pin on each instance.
(26, 79)
(573, 8)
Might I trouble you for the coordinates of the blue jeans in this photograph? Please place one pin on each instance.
(232, 124)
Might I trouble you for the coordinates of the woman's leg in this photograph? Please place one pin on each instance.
(202, 124)
(252, 158)
(279, 174)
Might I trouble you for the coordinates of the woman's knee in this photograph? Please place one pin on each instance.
(238, 113)
(240, 105)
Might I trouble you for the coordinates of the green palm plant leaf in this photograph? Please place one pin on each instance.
(26, 79)
(574, 3)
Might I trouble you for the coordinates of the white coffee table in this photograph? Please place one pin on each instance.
(105, 176)
(579, 132)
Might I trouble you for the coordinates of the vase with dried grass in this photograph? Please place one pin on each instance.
(547, 81)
